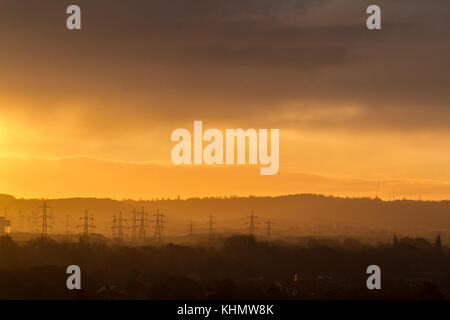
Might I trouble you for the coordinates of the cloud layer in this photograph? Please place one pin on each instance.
(140, 69)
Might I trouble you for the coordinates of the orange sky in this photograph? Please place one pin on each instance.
(90, 113)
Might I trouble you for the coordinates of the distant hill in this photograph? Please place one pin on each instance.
(292, 214)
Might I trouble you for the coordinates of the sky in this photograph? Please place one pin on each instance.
(89, 113)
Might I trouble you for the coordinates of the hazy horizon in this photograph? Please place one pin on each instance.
(292, 215)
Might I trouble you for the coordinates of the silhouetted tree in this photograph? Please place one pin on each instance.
(7, 242)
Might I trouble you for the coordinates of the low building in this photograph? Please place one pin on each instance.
(5, 226)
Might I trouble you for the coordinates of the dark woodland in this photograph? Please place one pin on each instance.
(237, 267)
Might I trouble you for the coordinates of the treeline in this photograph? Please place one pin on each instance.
(239, 268)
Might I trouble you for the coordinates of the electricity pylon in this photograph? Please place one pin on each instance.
(252, 223)
(134, 226)
(142, 224)
(29, 223)
(113, 227)
(159, 225)
(88, 222)
(118, 225)
(47, 219)
(20, 221)
(67, 224)
(269, 224)
(191, 229)
(211, 234)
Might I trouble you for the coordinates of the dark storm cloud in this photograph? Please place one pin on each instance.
(218, 58)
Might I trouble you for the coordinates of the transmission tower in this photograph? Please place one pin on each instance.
(134, 226)
(67, 224)
(142, 224)
(118, 226)
(88, 222)
(113, 228)
(191, 229)
(159, 225)
(211, 234)
(47, 219)
(252, 223)
(20, 221)
(269, 224)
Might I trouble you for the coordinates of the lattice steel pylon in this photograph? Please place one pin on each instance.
(252, 223)
(118, 226)
(191, 229)
(211, 234)
(269, 224)
(142, 224)
(134, 226)
(20, 221)
(67, 224)
(47, 219)
(88, 222)
(159, 226)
